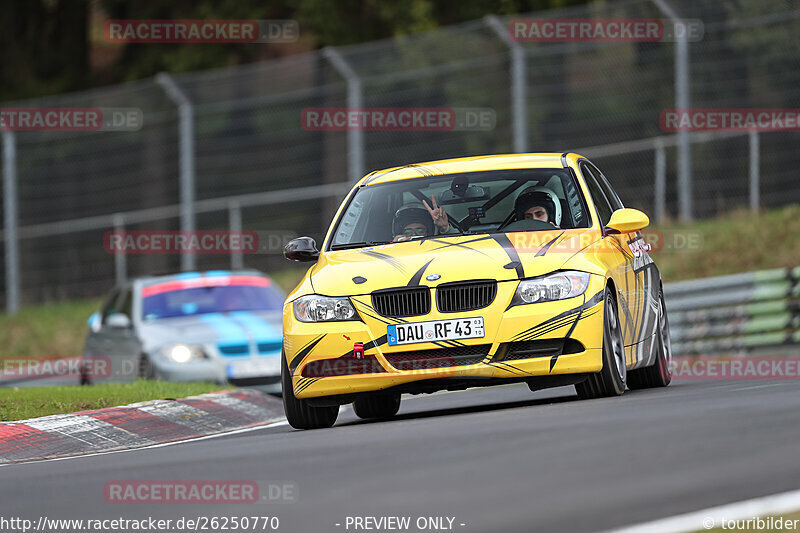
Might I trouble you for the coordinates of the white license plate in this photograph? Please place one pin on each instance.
(254, 368)
(435, 330)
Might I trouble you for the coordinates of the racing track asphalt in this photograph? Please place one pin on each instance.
(497, 459)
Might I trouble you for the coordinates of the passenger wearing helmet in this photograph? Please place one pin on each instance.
(412, 222)
(536, 205)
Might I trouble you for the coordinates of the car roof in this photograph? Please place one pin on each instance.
(469, 164)
(149, 280)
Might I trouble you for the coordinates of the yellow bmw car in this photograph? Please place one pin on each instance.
(473, 272)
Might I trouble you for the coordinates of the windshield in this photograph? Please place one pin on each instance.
(475, 202)
(174, 299)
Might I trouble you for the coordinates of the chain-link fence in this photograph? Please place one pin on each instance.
(247, 146)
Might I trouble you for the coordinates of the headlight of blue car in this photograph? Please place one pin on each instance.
(183, 353)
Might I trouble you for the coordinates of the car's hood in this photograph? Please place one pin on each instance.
(213, 328)
(501, 256)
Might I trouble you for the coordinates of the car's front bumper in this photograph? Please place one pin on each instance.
(579, 319)
(217, 370)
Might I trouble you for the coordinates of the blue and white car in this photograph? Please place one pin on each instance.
(220, 326)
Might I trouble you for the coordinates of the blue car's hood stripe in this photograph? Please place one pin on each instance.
(227, 329)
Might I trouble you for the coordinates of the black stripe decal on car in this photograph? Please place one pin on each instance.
(388, 258)
(417, 277)
(297, 359)
(543, 249)
(504, 241)
(571, 329)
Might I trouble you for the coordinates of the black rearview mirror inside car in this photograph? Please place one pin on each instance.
(469, 194)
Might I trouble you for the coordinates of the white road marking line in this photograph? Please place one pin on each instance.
(281, 422)
(713, 516)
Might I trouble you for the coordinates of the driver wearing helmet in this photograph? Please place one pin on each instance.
(536, 205)
(412, 222)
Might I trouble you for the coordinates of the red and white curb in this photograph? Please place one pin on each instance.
(136, 425)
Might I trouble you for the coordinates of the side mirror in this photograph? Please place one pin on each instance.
(118, 321)
(94, 322)
(301, 249)
(626, 221)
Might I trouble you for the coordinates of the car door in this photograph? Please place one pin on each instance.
(95, 344)
(119, 344)
(126, 343)
(619, 259)
(643, 293)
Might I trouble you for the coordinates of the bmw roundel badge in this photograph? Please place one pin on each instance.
(432, 277)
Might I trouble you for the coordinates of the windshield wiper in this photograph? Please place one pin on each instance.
(347, 246)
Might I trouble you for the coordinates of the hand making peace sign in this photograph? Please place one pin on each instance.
(438, 215)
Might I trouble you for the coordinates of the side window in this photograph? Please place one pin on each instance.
(580, 218)
(612, 196)
(603, 206)
(110, 305)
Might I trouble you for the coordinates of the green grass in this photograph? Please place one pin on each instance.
(54, 329)
(22, 403)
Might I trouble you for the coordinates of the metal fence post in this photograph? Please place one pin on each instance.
(355, 137)
(755, 178)
(187, 176)
(235, 226)
(660, 199)
(519, 87)
(681, 102)
(120, 259)
(10, 222)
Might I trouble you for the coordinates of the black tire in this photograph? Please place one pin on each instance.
(299, 414)
(85, 378)
(659, 374)
(610, 381)
(146, 368)
(383, 405)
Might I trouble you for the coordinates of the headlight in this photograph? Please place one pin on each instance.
(316, 308)
(552, 287)
(183, 353)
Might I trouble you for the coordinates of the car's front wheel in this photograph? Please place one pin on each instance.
(383, 405)
(299, 413)
(610, 381)
(85, 374)
(146, 368)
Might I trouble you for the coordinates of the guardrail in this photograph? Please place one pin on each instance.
(739, 314)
